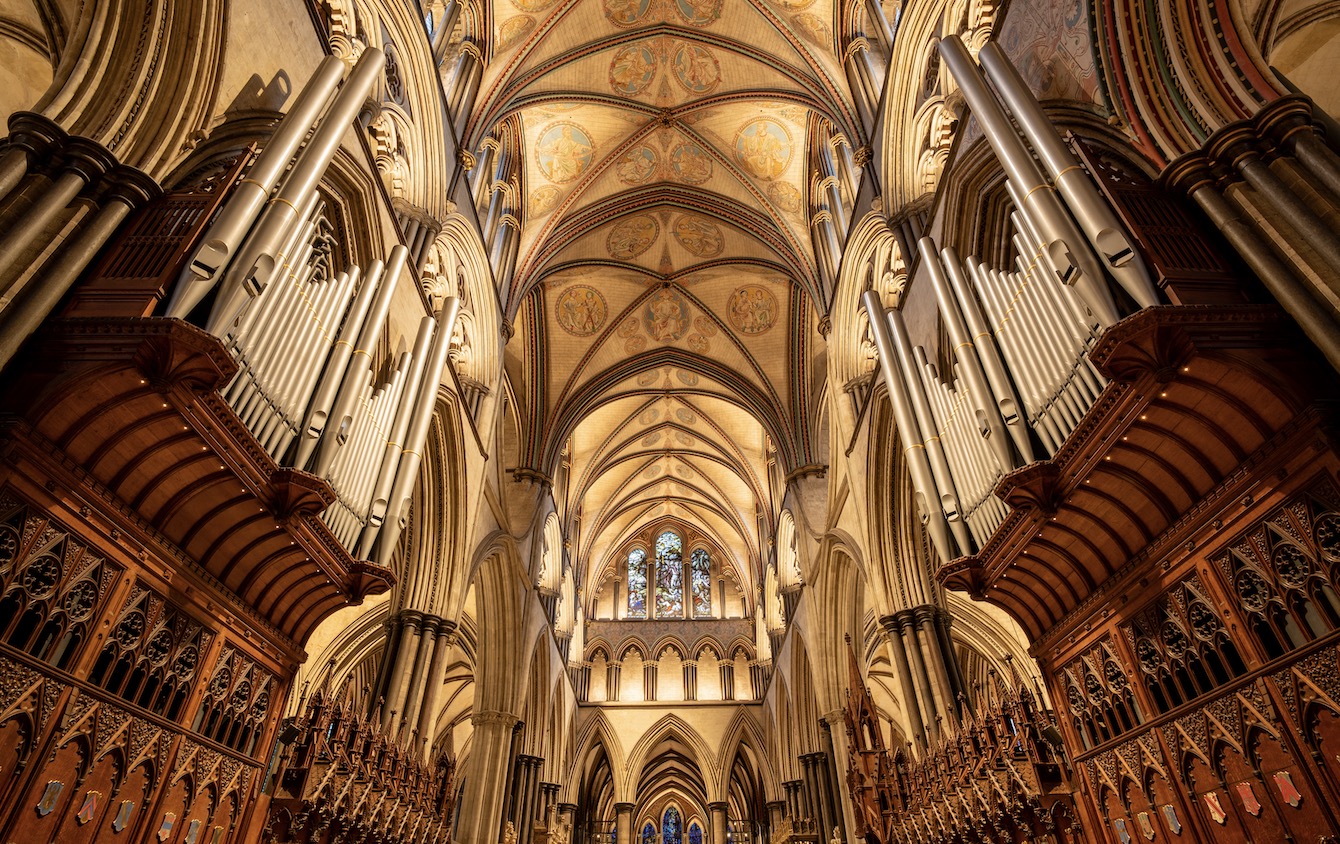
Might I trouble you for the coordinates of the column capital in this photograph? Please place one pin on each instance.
(624, 808)
(718, 806)
(494, 716)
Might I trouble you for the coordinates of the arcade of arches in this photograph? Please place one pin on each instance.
(669, 421)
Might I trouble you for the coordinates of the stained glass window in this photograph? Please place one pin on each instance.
(695, 833)
(649, 833)
(672, 831)
(700, 579)
(669, 576)
(637, 584)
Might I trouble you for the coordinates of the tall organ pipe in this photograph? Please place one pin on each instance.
(923, 482)
(213, 256)
(360, 363)
(395, 438)
(407, 471)
(980, 396)
(1091, 211)
(257, 254)
(333, 375)
(993, 365)
(935, 451)
(1068, 248)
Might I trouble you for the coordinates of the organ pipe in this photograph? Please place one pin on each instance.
(1069, 250)
(213, 256)
(333, 374)
(990, 424)
(935, 453)
(395, 438)
(923, 483)
(407, 470)
(257, 253)
(1091, 211)
(360, 365)
(993, 365)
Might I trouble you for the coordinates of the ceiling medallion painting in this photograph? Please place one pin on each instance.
(632, 69)
(699, 12)
(785, 195)
(536, 5)
(636, 166)
(666, 316)
(698, 235)
(696, 68)
(581, 310)
(543, 200)
(626, 13)
(631, 13)
(690, 163)
(752, 309)
(816, 30)
(563, 151)
(763, 147)
(632, 237)
(706, 327)
(512, 30)
(634, 342)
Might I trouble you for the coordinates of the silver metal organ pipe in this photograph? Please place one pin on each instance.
(923, 482)
(235, 219)
(314, 347)
(1044, 342)
(299, 240)
(308, 348)
(258, 251)
(1020, 362)
(1024, 224)
(1091, 211)
(333, 375)
(407, 471)
(395, 438)
(991, 425)
(916, 390)
(360, 364)
(993, 366)
(260, 321)
(1063, 321)
(1068, 248)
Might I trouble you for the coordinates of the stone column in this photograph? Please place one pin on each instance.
(410, 628)
(427, 723)
(623, 823)
(935, 660)
(719, 822)
(481, 807)
(906, 686)
(418, 679)
(907, 632)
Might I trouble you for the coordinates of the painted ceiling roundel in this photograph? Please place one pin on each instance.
(664, 245)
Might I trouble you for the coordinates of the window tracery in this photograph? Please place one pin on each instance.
(700, 576)
(152, 654)
(637, 583)
(50, 586)
(672, 827)
(669, 575)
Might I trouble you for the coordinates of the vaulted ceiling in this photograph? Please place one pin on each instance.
(667, 291)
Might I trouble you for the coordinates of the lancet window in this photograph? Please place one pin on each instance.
(695, 833)
(637, 583)
(649, 833)
(672, 827)
(669, 575)
(700, 577)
